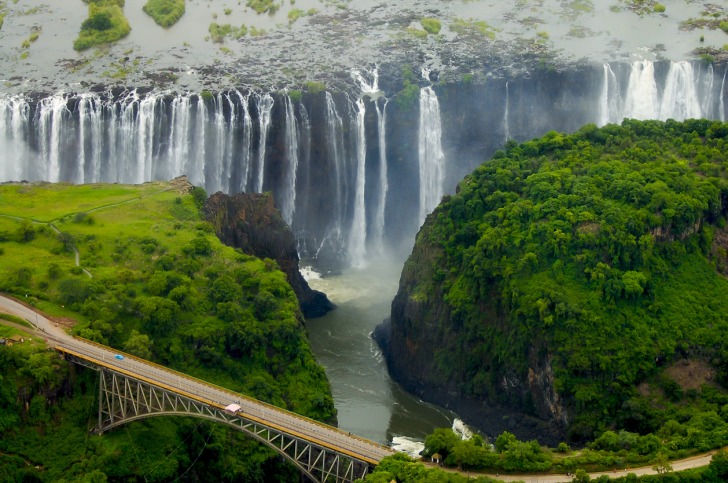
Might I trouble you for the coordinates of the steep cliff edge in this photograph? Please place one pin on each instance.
(251, 222)
(553, 293)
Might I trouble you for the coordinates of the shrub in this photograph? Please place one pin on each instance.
(165, 12)
(659, 8)
(105, 23)
(431, 25)
(724, 26)
(219, 32)
(263, 6)
(315, 87)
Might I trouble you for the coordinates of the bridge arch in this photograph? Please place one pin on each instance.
(123, 398)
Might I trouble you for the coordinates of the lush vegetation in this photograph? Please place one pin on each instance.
(472, 27)
(600, 255)
(263, 6)
(218, 32)
(408, 96)
(431, 25)
(165, 12)
(403, 469)
(105, 23)
(297, 13)
(610, 452)
(160, 286)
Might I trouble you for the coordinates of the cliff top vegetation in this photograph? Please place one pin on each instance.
(155, 282)
(600, 256)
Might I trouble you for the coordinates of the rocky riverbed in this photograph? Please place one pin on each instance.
(322, 40)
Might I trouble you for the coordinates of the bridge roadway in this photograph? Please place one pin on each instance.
(291, 423)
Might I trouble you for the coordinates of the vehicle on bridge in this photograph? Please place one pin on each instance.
(119, 357)
(233, 408)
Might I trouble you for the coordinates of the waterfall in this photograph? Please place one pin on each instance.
(378, 228)
(221, 169)
(52, 111)
(85, 104)
(145, 140)
(506, 129)
(288, 203)
(246, 140)
(721, 107)
(196, 165)
(706, 107)
(642, 101)
(430, 153)
(304, 161)
(335, 145)
(14, 113)
(679, 99)
(340, 207)
(368, 88)
(610, 98)
(179, 135)
(358, 233)
(265, 106)
(369, 85)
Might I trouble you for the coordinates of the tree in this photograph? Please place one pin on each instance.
(581, 476)
(139, 345)
(442, 441)
(504, 440)
(25, 232)
(662, 464)
(718, 467)
(73, 290)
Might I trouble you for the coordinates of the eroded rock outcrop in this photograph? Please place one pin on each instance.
(251, 222)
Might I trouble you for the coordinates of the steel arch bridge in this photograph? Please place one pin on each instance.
(125, 397)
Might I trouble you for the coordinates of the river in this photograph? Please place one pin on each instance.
(368, 402)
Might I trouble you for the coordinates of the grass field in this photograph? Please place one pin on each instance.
(49, 202)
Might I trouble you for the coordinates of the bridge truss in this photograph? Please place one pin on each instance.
(124, 398)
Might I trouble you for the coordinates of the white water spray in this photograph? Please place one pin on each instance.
(679, 98)
(430, 151)
(265, 106)
(721, 108)
(358, 233)
(506, 115)
(13, 120)
(247, 141)
(179, 135)
(335, 145)
(50, 119)
(610, 98)
(379, 220)
(642, 102)
(288, 205)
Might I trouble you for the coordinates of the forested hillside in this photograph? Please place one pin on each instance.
(579, 279)
(153, 281)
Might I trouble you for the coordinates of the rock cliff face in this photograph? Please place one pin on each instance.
(524, 403)
(251, 222)
(542, 295)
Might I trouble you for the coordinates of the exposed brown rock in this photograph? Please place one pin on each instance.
(251, 222)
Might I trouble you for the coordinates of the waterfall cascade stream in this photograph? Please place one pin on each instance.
(353, 173)
(361, 191)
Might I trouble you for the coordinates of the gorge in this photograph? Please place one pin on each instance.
(355, 122)
(351, 171)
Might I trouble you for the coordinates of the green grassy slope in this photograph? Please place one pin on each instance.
(161, 287)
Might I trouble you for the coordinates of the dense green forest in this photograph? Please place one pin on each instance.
(599, 255)
(153, 281)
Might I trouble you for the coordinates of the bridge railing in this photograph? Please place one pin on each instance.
(234, 395)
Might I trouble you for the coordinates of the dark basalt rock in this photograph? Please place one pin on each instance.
(251, 222)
